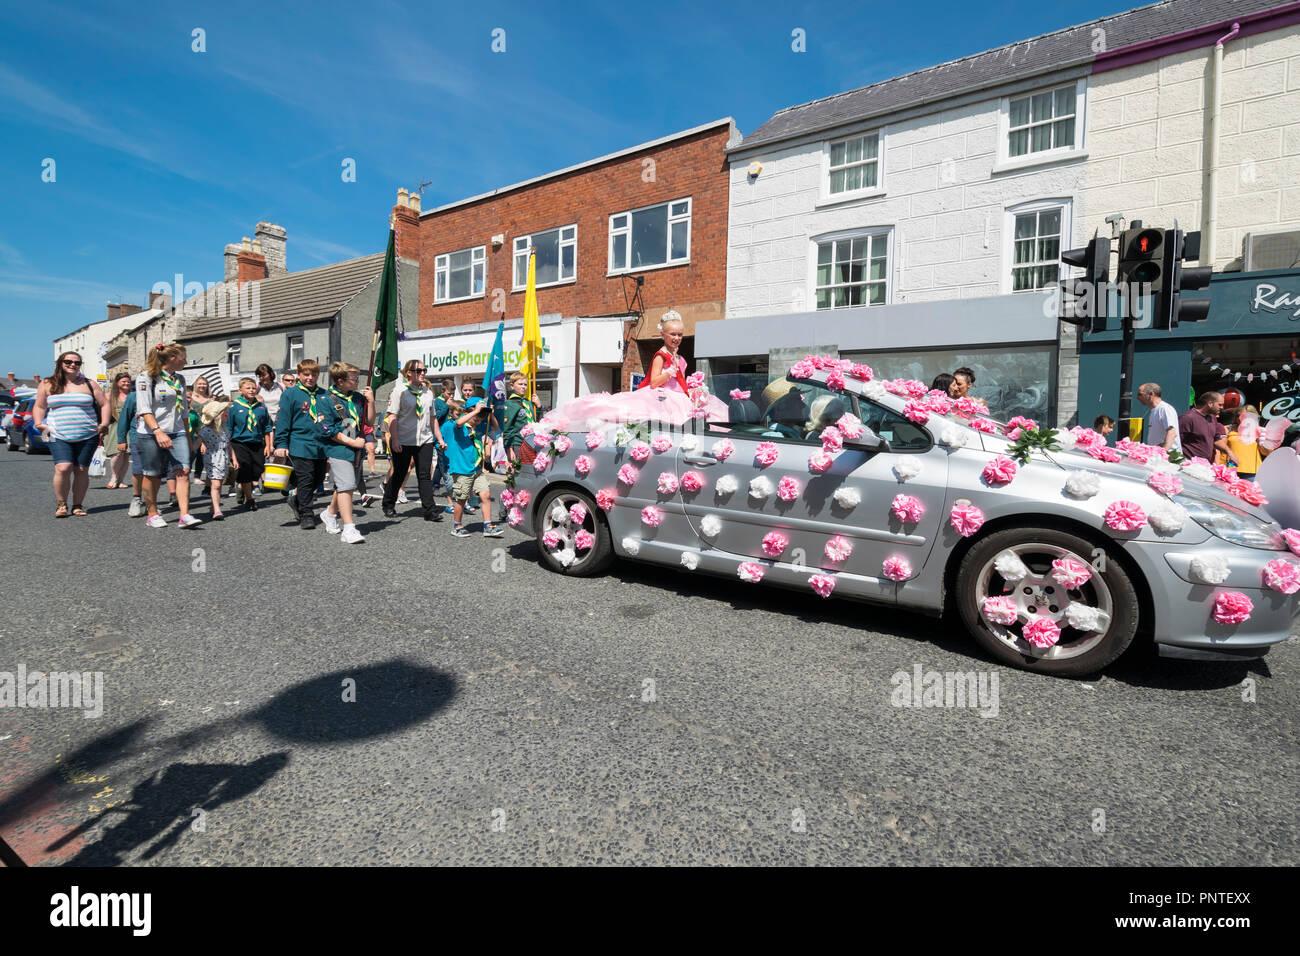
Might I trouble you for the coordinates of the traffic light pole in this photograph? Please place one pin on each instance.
(1126, 378)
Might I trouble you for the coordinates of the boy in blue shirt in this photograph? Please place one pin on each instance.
(465, 432)
(305, 427)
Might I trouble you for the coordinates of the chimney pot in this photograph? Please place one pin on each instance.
(247, 244)
(415, 201)
(273, 240)
(257, 246)
(403, 197)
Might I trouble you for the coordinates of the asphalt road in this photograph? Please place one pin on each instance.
(502, 714)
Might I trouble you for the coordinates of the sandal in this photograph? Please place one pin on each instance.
(78, 511)
(62, 510)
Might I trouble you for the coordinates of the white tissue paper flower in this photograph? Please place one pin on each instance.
(761, 487)
(1167, 516)
(689, 442)
(631, 546)
(952, 436)
(1209, 568)
(1009, 565)
(726, 485)
(1156, 463)
(1082, 484)
(847, 497)
(1199, 472)
(559, 514)
(710, 526)
(566, 556)
(907, 468)
(690, 560)
(1084, 617)
(874, 390)
(1065, 439)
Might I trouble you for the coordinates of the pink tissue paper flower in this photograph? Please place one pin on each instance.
(803, 368)
(652, 516)
(1070, 573)
(627, 475)
(577, 512)
(820, 461)
(788, 488)
(583, 464)
(774, 542)
(695, 380)
(1103, 453)
(823, 584)
(1041, 632)
(999, 471)
(835, 380)
(541, 462)
(907, 508)
(749, 571)
(667, 483)
(562, 444)
(1247, 491)
(583, 540)
(766, 453)
(1292, 538)
(723, 449)
(1124, 516)
(522, 498)
(917, 412)
(862, 373)
(984, 425)
(595, 439)
(1165, 484)
(1019, 422)
(1282, 576)
(605, 499)
(516, 518)
(832, 439)
(968, 407)
(850, 426)
(551, 539)
(527, 430)
(1086, 436)
(507, 497)
(639, 451)
(739, 394)
(838, 549)
(966, 519)
(1232, 607)
(692, 481)
(1223, 473)
(999, 610)
(897, 568)
(661, 443)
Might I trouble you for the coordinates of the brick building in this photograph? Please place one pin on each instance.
(620, 240)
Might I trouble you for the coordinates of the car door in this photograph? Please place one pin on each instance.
(865, 478)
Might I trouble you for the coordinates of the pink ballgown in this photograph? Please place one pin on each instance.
(669, 404)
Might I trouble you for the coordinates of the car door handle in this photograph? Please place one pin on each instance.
(703, 462)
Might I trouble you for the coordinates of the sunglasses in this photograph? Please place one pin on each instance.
(72, 363)
(420, 370)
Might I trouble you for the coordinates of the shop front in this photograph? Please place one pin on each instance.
(1247, 349)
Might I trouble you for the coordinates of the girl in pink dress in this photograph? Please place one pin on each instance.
(665, 396)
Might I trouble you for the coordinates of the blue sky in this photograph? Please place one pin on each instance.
(163, 155)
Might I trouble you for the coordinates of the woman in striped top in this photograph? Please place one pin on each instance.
(73, 414)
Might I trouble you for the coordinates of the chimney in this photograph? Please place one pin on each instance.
(405, 221)
(232, 261)
(119, 309)
(272, 237)
(251, 262)
(160, 300)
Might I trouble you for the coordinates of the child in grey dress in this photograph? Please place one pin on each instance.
(217, 454)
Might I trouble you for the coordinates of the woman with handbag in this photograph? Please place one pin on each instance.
(72, 412)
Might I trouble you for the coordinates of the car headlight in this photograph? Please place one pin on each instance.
(1232, 524)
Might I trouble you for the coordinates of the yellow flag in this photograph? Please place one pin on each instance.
(532, 340)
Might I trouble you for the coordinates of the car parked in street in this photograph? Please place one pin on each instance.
(22, 435)
(882, 493)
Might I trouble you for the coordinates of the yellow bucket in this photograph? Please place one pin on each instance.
(277, 477)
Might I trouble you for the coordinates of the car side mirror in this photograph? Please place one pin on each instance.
(868, 441)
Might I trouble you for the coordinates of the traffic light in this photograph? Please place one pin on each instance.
(1171, 309)
(1083, 298)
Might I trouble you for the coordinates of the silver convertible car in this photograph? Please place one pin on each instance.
(1056, 553)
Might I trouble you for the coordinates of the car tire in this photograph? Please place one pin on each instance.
(28, 447)
(1078, 653)
(593, 560)
(13, 445)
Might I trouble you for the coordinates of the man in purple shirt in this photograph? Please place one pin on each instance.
(1200, 430)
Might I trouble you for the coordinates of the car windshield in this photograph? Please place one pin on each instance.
(787, 408)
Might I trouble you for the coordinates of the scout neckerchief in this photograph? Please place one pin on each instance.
(311, 400)
(347, 403)
(670, 360)
(179, 389)
(419, 398)
(251, 409)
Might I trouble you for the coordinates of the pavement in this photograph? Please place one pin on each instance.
(271, 696)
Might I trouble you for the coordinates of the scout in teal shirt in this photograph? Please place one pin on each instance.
(306, 424)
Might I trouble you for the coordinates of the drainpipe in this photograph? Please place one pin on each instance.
(1209, 198)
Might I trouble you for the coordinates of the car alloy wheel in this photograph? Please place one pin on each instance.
(554, 521)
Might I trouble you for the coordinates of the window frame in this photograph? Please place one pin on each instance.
(442, 268)
(825, 196)
(520, 283)
(235, 347)
(868, 231)
(688, 218)
(1065, 205)
(1076, 150)
(289, 344)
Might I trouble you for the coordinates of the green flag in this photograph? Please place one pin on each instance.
(384, 366)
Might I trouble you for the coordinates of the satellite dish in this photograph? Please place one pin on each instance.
(1279, 479)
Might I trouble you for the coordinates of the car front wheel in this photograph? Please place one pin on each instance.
(580, 548)
(1097, 618)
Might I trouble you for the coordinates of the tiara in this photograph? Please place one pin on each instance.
(671, 315)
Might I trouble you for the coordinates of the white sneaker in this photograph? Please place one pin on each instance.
(257, 490)
(231, 494)
(188, 521)
(331, 522)
(136, 509)
(352, 536)
(156, 521)
(401, 497)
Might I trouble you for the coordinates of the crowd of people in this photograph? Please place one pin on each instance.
(158, 428)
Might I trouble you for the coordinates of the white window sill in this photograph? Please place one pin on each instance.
(464, 298)
(635, 269)
(862, 195)
(544, 285)
(1040, 159)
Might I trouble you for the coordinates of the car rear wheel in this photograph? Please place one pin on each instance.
(558, 534)
(13, 445)
(28, 447)
(1108, 592)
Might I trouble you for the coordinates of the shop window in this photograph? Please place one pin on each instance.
(459, 275)
(557, 252)
(650, 237)
(852, 270)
